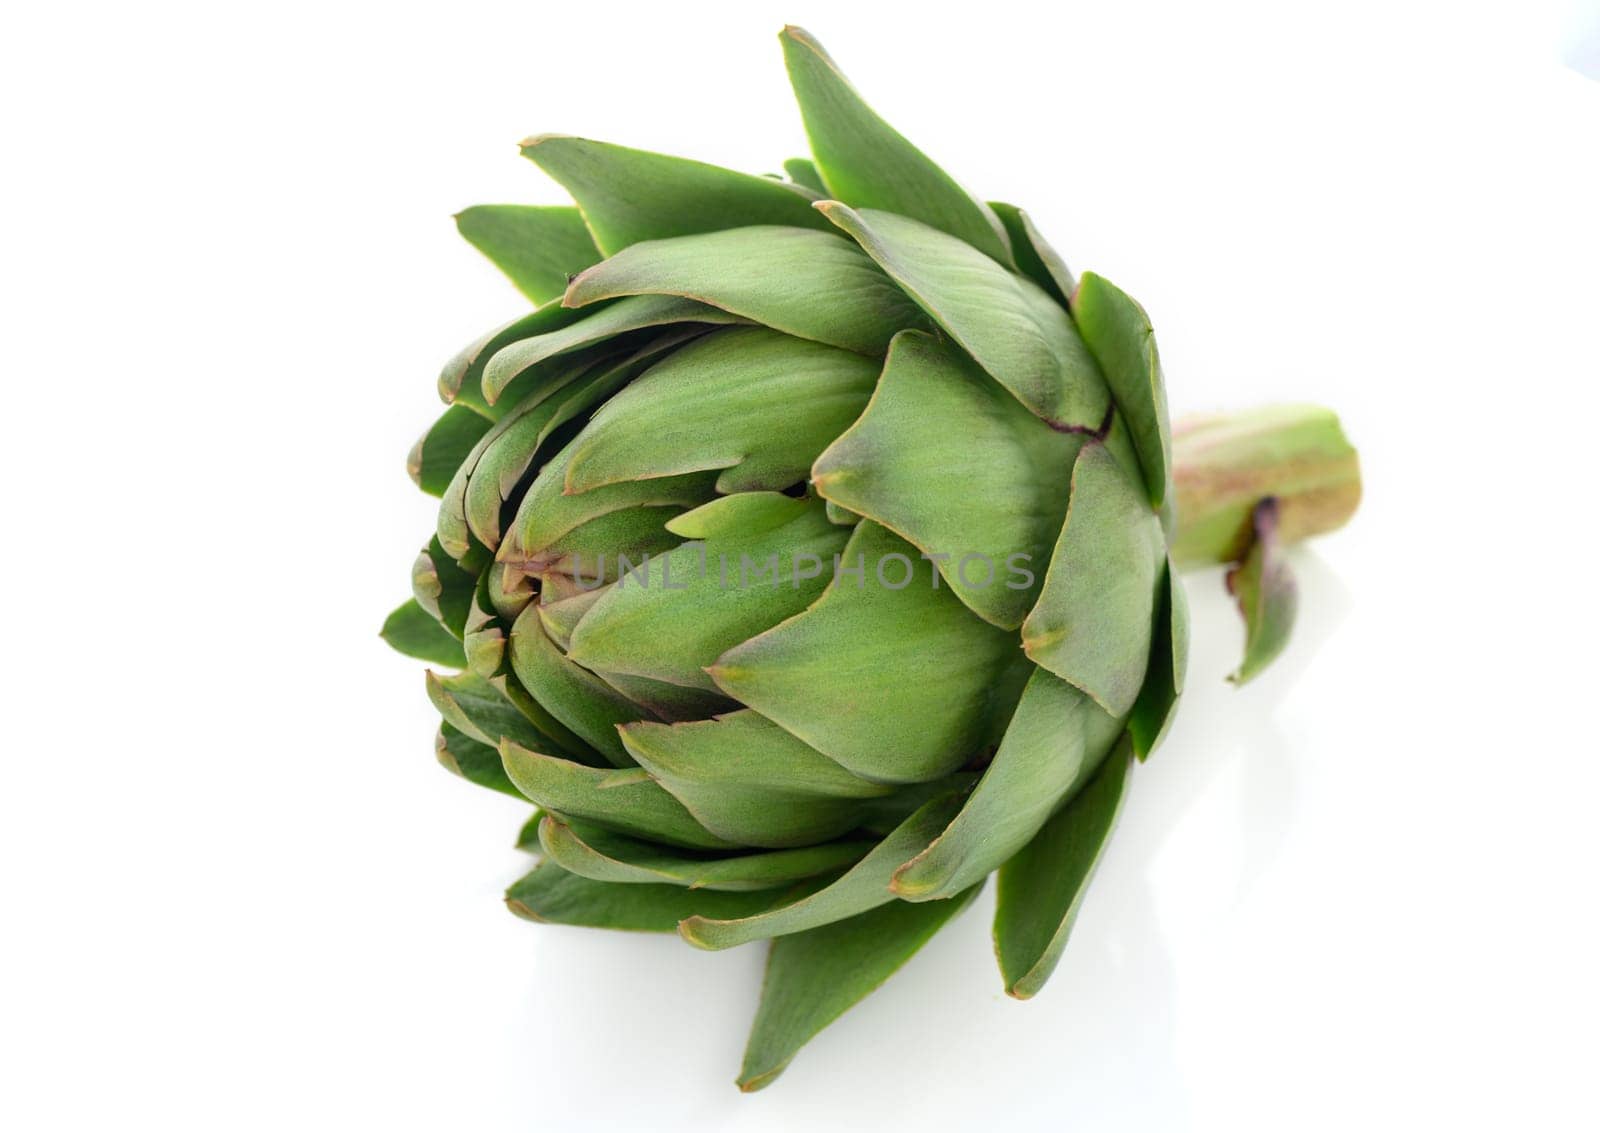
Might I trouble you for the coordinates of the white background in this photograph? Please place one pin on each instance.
(239, 893)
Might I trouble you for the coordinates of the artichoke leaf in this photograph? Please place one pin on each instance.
(1056, 740)
(809, 284)
(509, 455)
(1169, 659)
(528, 836)
(507, 591)
(569, 692)
(843, 516)
(505, 460)
(756, 559)
(1042, 886)
(816, 976)
(562, 740)
(887, 673)
(475, 762)
(551, 894)
(483, 712)
(461, 380)
(600, 855)
(1119, 334)
(667, 701)
(443, 587)
(953, 464)
(484, 636)
(413, 631)
(600, 551)
(554, 530)
(486, 644)
(866, 162)
(803, 171)
(747, 780)
(1036, 259)
(468, 510)
(629, 195)
(561, 616)
(626, 800)
(538, 247)
(754, 405)
(1095, 616)
(440, 451)
(864, 886)
(886, 812)
(529, 358)
(1015, 331)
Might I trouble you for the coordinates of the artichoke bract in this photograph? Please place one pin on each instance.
(804, 555)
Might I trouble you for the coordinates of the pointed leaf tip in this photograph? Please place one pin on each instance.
(1010, 327)
(411, 630)
(1041, 888)
(628, 196)
(866, 162)
(814, 977)
(1119, 334)
(536, 246)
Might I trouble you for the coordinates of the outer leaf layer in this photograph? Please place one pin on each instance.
(1056, 740)
(814, 285)
(1169, 659)
(627, 801)
(461, 380)
(1036, 259)
(537, 246)
(676, 614)
(749, 781)
(893, 683)
(814, 977)
(435, 458)
(866, 162)
(628, 195)
(443, 588)
(1093, 623)
(572, 694)
(1014, 330)
(602, 856)
(1043, 885)
(866, 886)
(480, 710)
(948, 460)
(525, 358)
(552, 525)
(478, 763)
(413, 631)
(552, 894)
(753, 404)
(1118, 331)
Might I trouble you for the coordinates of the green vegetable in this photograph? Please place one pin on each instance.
(808, 555)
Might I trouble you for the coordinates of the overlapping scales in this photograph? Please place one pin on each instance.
(862, 364)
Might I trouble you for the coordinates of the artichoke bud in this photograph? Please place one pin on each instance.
(807, 551)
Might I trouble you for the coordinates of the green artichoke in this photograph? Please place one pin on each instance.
(804, 555)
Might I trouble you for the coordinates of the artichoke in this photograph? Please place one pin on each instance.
(806, 556)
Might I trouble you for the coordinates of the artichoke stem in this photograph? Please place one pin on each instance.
(1226, 463)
